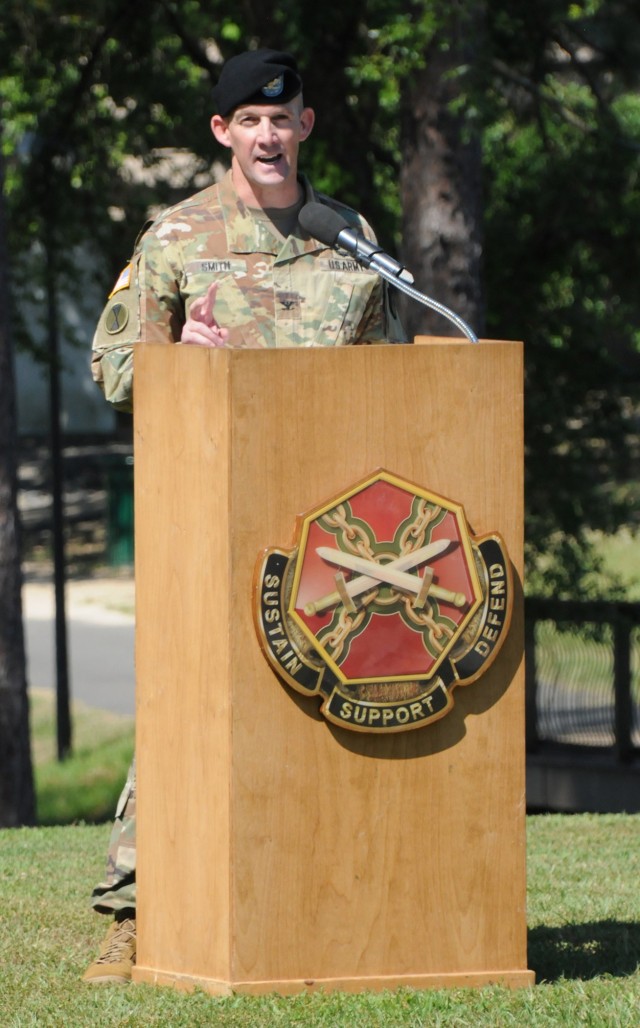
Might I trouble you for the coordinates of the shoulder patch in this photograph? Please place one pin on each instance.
(116, 318)
(124, 280)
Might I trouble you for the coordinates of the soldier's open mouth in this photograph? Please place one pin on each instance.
(270, 160)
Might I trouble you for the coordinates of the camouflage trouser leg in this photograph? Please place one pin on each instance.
(118, 891)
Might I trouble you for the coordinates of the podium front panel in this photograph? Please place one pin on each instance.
(278, 851)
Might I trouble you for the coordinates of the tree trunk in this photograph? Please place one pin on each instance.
(441, 193)
(17, 803)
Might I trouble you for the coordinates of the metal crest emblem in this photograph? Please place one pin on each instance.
(274, 87)
(386, 603)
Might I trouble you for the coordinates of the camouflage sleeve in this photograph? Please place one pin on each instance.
(112, 361)
(144, 306)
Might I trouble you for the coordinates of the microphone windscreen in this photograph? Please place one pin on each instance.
(322, 222)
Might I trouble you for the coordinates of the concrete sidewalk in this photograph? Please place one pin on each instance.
(99, 600)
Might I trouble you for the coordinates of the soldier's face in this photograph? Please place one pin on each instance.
(264, 141)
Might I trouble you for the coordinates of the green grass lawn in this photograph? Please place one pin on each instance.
(584, 944)
(583, 917)
(621, 554)
(86, 786)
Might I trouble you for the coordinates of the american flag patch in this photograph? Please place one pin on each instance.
(124, 280)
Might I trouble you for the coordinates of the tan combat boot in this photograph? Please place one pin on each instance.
(117, 956)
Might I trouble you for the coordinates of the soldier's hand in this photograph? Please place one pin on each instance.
(201, 328)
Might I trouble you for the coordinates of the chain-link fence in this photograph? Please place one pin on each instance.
(583, 675)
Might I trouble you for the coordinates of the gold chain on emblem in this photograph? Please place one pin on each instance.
(411, 539)
(354, 537)
(425, 619)
(346, 625)
(414, 534)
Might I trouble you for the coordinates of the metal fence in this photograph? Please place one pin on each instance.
(583, 675)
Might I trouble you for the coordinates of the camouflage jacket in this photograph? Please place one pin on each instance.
(270, 294)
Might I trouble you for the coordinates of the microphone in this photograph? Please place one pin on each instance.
(330, 228)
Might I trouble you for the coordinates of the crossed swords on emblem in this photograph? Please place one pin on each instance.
(395, 573)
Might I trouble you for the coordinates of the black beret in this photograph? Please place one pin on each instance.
(256, 77)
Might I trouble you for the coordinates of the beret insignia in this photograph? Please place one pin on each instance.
(274, 87)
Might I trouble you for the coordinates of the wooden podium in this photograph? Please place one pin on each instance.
(277, 852)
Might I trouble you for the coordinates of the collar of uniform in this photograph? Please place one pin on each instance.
(245, 234)
(299, 243)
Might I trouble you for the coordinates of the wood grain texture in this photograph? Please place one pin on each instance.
(273, 847)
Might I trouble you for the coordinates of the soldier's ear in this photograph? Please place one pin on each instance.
(220, 129)
(307, 121)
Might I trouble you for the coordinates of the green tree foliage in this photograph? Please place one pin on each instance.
(562, 159)
(88, 108)
(93, 98)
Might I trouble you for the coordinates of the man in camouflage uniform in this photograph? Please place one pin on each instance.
(236, 247)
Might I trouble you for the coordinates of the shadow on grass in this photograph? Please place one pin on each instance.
(585, 950)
